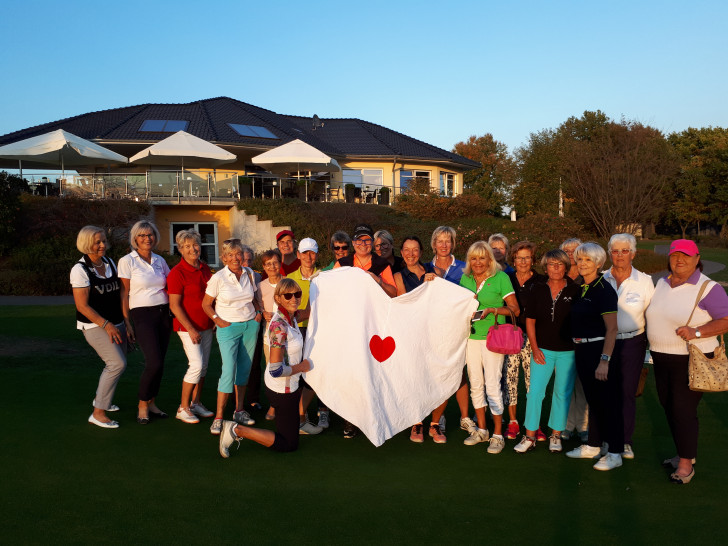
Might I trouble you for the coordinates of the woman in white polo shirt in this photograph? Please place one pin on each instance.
(236, 315)
(145, 303)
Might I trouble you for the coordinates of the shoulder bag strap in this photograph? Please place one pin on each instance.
(697, 300)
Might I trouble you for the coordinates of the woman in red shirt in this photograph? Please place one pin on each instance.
(186, 287)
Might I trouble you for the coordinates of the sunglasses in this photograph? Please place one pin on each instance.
(342, 247)
(290, 295)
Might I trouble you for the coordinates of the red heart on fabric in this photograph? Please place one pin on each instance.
(381, 349)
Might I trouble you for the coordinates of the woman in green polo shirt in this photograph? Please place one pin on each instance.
(496, 297)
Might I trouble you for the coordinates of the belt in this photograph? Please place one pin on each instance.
(580, 340)
(629, 335)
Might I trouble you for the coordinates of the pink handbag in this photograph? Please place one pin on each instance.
(505, 339)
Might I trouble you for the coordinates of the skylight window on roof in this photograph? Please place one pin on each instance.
(254, 131)
(163, 125)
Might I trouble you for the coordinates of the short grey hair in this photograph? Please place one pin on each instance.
(570, 242)
(502, 238)
(442, 230)
(187, 234)
(384, 234)
(85, 239)
(340, 237)
(593, 251)
(229, 245)
(623, 238)
(248, 250)
(139, 226)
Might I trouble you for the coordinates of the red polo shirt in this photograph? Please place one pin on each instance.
(190, 283)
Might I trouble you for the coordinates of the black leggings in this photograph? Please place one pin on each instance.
(678, 401)
(152, 328)
(287, 421)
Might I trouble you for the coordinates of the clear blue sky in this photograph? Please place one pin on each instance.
(437, 71)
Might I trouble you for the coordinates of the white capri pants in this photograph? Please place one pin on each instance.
(484, 373)
(198, 355)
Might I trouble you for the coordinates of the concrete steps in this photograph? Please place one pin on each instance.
(260, 235)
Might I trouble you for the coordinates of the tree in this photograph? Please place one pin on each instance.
(11, 186)
(495, 177)
(618, 174)
(700, 193)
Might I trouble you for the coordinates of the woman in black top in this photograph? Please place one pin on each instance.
(97, 294)
(523, 279)
(548, 325)
(407, 279)
(594, 331)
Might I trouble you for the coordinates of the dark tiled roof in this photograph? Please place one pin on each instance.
(208, 119)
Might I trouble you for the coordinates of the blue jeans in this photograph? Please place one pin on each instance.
(237, 344)
(563, 365)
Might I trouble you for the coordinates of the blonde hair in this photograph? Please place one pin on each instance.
(442, 230)
(284, 286)
(187, 234)
(228, 245)
(139, 226)
(85, 239)
(480, 249)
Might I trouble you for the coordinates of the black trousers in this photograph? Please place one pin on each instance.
(287, 422)
(678, 401)
(152, 328)
(606, 422)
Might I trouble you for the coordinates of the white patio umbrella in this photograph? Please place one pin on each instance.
(182, 148)
(59, 148)
(296, 156)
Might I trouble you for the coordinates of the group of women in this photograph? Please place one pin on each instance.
(586, 327)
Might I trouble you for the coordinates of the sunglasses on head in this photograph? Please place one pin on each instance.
(290, 295)
(342, 247)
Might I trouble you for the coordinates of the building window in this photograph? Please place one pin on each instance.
(163, 125)
(208, 237)
(447, 184)
(407, 177)
(363, 177)
(252, 131)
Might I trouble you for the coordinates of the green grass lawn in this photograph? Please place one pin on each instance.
(66, 481)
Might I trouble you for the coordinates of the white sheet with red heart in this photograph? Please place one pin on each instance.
(384, 364)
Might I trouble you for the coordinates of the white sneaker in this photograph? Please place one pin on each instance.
(609, 461)
(186, 416)
(584, 452)
(227, 437)
(468, 425)
(307, 427)
(242, 417)
(628, 452)
(554, 444)
(497, 443)
(201, 411)
(323, 416)
(526, 444)
(216, 427)
(477, 436)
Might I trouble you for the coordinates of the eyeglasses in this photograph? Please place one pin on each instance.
(523, 258)
(360, 242)
(146, 235)
(341, 247)
(287, 296)
(622, 252)
(382, 245)
(554, 265)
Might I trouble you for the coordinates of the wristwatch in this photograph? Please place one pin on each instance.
(697, 333)
(606, 358)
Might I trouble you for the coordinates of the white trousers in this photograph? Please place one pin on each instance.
(484, 373)
(198, 355)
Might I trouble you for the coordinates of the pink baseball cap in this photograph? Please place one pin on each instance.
(686, 246)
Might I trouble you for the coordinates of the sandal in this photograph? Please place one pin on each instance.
(676, 478)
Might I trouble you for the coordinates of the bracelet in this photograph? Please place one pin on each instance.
(104, 324)
(214, 317)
